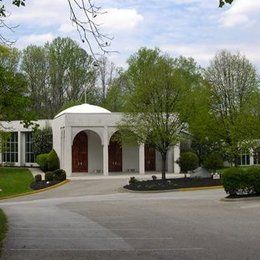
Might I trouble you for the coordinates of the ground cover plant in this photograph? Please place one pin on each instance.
(170, 184)
(14, 181)
(3, 227)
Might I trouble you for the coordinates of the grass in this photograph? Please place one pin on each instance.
(3, 228)
(14, 181)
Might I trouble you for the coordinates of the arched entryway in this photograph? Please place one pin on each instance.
(80, 153)
(115, 154)
(150, 158)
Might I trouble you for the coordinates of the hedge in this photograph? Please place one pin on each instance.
(239, 181)
(48, 161)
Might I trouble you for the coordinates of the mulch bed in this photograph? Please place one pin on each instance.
(243, 196)
(42, 184)
(171, 184)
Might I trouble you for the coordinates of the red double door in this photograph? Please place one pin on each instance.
(150, 158)
(115, 156)
(80, 153)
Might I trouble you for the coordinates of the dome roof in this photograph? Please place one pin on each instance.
(84, 109)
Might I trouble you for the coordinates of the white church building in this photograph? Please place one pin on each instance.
(82, 139)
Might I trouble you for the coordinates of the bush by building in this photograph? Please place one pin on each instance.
(213, 162)
(188, 161)
(241, 181)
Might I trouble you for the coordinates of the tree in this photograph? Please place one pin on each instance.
(42, 141)
(155, 107)
(226, 107)
(71, 70)
(34, 65)
(13, 88)
(223, 2)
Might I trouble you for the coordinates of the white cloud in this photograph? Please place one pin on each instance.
(242, 12)
(120, 19)
(38, 39)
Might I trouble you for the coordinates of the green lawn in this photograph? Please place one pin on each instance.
(3, 227)
(14, 181)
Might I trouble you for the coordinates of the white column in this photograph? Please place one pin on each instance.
(176, 156)
(141, 159)
(68, 151)
(170, 160)
(251, 160)
(20, 151)
(105, 152)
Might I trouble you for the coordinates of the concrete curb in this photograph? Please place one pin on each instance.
(171, 190)
(257, 198)
(35, 191)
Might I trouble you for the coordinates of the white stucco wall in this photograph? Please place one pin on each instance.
(130, 158)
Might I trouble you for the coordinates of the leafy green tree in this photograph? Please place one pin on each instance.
(157, 102)
(71, 71)
(225, 109)
(42, 141)
(34, 65)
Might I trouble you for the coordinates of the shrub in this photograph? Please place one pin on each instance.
(154, 177)
(42, 160)
(188, 161)
(59, 175)
(42, 141)
(53, 161)
(238, 181)
(38, 178)
(133, 180)
(49, 176)
(213, 162)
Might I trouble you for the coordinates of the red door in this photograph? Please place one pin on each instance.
(115, 156)
(149, 158)
(80, 153)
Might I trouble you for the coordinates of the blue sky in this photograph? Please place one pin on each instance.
(196, 28)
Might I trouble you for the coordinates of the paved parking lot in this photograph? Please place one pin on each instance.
(92, 220)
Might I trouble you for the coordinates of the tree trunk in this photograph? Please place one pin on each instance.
(163, 166)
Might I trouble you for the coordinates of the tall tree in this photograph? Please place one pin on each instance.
(35, 66)
(14, 101)
(226, 110)
(107, 71)
(156, 105)
(71, 72)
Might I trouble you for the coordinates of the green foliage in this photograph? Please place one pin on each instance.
(42, 161)
(133, 180)
(53, 161)
(59, 175)
(158, 91)
(49, 176)
(3, 227)
(225, 109)
(38, 178)
(188, 161)
(42, 140)
(238, 181)
(213, 161)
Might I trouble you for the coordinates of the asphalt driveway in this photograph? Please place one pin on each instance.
(92, 220)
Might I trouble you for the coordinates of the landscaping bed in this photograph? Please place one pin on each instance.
(171, 184)
(43, 184)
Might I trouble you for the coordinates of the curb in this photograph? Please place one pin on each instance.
(257, 198)
(122, 189)
(35, 191)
